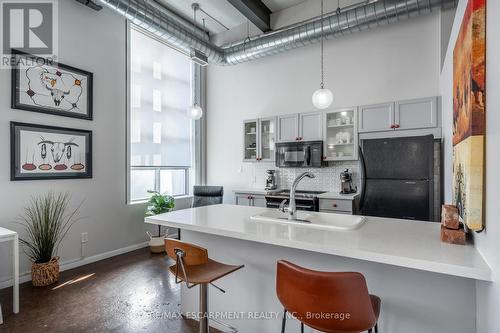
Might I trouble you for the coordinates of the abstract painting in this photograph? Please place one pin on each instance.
(40, 85)
(469, 120)
(48, 152)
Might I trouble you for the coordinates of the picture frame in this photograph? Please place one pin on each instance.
(469, 116)
(40, 85)
(48, 152)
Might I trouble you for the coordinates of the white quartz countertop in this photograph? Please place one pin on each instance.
(410, 244)
(338, 196)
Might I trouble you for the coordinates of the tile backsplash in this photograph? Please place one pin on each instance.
(327, 178)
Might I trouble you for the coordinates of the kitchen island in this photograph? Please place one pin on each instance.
(425, 285)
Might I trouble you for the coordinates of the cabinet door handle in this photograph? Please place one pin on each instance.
(334, 205)
(397, 126)
(393, 126)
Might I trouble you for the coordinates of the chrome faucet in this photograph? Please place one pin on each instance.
(292, 209)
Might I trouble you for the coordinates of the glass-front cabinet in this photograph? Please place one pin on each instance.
(341, 135)
(267, 139)
(259, 140)
(250, 138)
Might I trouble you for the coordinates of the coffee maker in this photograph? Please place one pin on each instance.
(271, 180)
(346, 183)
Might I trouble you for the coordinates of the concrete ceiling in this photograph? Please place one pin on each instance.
(222, 10)
(277, 5)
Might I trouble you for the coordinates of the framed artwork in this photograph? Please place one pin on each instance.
(39, 85)
(469, 120)
(48, 152)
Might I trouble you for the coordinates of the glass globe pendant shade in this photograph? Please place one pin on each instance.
(322, 98)
(195, 112)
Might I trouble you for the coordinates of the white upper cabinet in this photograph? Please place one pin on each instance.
(341, 129)
(288, 127)
(411, 114)
(374, 118)
(300, 127)
(250, 140)
(416, 113)
(311, 126)
(267, 139)
(340, 135)
(259, 139)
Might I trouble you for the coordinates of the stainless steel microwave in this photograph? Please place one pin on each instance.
(308, 154)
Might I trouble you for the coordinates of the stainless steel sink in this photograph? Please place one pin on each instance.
(325, 221)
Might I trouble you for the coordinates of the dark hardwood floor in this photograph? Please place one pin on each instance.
(132, 292)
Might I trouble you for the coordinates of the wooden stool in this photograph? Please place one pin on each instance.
(328, 302)
(193, 266)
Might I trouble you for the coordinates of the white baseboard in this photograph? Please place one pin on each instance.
(73, 263)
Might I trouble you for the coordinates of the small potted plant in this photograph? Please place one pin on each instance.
(158, 204)
(46, 221)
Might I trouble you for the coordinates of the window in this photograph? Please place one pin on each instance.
(160, 134)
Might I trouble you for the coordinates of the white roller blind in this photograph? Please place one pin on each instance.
(160, 97)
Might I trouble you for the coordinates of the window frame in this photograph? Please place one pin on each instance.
(193, 173)
(157, 170)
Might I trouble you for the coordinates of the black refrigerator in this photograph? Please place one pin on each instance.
(397, 177)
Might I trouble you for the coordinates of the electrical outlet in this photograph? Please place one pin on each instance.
(85, 237)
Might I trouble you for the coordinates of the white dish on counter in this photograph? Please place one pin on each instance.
(325, 221)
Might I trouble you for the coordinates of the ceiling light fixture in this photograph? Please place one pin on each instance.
(195, 112)
(323, 97)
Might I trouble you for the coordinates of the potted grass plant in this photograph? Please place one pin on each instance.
(158, 204)
(46, 220)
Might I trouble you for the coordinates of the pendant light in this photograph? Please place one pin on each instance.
(195, 112)
(323, 97)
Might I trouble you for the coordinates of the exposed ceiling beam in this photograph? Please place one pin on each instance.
(90, 4)
(255, 11)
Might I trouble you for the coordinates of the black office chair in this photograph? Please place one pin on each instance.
(207, 195)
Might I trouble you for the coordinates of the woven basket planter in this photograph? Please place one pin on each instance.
(46, 273)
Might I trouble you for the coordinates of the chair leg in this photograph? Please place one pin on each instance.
(204, 328)
(370, 330)
(283, 322)
(301, 327)
(376, 328)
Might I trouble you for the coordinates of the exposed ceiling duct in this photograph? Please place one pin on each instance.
(371, 14)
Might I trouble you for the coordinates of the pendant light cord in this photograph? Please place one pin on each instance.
(322, 50)
(195, 8)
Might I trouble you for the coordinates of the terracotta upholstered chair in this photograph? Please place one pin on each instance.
(336, 302)
(193, 267)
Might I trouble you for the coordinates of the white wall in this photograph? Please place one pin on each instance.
(487, 242)
(94, 42)
(389, 63)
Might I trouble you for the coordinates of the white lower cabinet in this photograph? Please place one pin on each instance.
(250, 199)
(338, 206)
(259, 201)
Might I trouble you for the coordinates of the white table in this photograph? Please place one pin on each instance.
(5, 236)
